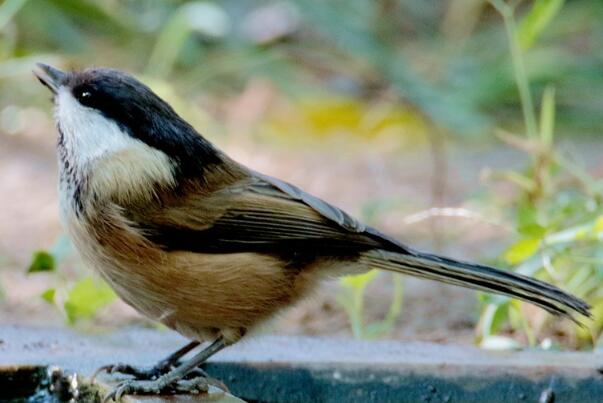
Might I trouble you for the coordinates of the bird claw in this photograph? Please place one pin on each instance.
(105, 368)
(138, 373)
(146, 387)
(200, 373)
(195, 385)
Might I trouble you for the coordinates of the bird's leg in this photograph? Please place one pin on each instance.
(173, 380)
(154, 372)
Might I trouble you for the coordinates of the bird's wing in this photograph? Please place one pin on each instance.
(335, 214)
(261, 214)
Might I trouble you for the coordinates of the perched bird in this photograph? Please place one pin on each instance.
(203, 244)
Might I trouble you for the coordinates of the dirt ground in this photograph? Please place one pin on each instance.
(351, 175)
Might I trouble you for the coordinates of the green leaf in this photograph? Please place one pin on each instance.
(522, 250)
(527, 214)
(359, 281)
(86, 297)
(598, 227)
(536, 21)
(42, 261)
(532, 230)
(49, 295)
(48, 260)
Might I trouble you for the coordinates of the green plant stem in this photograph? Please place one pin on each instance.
(521, 77)
(396, 304)
(8, 10)
(168, 45)
(591, 186)
(547, 117)
(351, 301)
(528, 331)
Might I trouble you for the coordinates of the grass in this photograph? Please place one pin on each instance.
(556, 213)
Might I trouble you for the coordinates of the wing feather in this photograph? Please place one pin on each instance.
(260, 214)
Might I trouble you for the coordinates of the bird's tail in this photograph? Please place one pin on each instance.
(479, 277)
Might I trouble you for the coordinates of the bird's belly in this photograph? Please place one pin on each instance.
(192, 293)
(236, 290)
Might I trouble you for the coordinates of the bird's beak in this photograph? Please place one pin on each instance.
(50, 77)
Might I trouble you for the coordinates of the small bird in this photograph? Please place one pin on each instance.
(208, 247)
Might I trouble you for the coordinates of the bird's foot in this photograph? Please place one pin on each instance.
(139, 373)
(160, 385)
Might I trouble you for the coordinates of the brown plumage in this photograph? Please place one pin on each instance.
(199, 294)
(185, 284)
(208, 247)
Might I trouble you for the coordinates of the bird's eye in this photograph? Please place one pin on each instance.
(83, 95)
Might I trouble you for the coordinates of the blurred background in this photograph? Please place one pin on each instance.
(466, 127)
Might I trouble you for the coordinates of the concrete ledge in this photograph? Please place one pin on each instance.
(300, 369)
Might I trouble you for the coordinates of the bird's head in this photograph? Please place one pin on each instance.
(109, 119)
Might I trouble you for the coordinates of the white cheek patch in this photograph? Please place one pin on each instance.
(116, 164)
(88, 135)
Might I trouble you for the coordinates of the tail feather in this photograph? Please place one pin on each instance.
(480, 277)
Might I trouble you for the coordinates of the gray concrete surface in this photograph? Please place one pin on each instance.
(291, 369)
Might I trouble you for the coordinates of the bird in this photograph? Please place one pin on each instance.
(205, 245)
